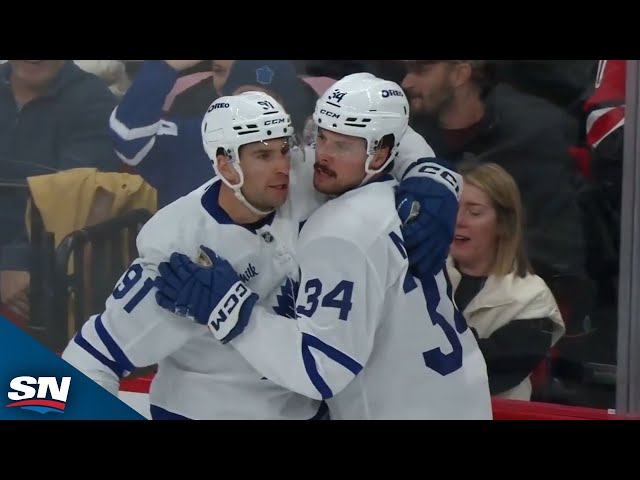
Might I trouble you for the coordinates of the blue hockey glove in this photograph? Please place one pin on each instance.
(427, 203)
(209, 292)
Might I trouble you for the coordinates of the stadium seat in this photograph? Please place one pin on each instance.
(88, 263)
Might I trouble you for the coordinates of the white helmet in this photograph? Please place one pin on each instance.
(237, 120)
(362, 105)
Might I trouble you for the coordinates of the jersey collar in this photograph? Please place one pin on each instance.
(210, 204)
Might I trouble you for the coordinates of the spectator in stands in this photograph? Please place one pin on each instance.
(189, 99)
(113, 72)
(510, 309)
(53, 117)
(277, 78)
(566, 83)
(333, 68)
(458, 108)
(167, 150)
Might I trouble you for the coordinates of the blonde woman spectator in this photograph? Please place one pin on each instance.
(111, 71)
(511, 310)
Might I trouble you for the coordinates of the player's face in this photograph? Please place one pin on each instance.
(476, 233)
(265, 166)
(220, 70)
(429, 87)
(339, 163)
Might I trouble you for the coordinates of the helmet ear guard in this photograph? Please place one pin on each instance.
(233, 121)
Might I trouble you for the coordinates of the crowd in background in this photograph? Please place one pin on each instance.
(539, 142)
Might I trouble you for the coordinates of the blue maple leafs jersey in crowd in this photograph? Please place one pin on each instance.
(370, 339)
(158, 144)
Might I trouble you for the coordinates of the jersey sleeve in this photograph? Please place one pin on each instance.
(322, 351)
(142, 135)
(133, 330)
(413, 147)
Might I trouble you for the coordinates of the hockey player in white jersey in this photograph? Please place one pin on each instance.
(198, 378)
(370, 338)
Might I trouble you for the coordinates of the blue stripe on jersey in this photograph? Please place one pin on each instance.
(210, 203)
(308, 342)
(322, 413)
(158, 413)
(409, 282)
(116, 352)
(91, 350)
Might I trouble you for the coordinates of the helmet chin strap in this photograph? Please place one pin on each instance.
(245, 202)
(370, 173)
(237, 191)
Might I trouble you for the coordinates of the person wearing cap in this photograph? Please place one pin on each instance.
(158, 145)
(277, 78)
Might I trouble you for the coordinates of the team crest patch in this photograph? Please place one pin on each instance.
(264, 75)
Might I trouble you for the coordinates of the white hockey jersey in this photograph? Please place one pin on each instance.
(198, 377)
(372, 340)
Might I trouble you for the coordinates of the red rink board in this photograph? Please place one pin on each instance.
(502, 409)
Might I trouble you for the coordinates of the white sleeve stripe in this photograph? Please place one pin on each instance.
(131, 133)
(138, 157)
(161, 127)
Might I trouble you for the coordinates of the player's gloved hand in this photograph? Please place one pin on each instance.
(427, 203)
(209, 292)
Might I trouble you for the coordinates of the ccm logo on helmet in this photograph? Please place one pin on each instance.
(274, 122)
(392, 93)
(329, 114)
(218, 105)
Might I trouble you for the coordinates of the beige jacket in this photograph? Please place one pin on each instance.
(505, 299)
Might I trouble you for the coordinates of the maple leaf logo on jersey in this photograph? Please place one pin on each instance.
(287, 299)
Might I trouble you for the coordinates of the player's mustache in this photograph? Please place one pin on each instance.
(324, 169)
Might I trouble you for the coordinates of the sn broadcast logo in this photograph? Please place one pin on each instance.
(26, 397)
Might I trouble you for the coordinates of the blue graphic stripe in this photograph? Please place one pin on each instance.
(308, 342)
(116, 352)
(95, 353)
